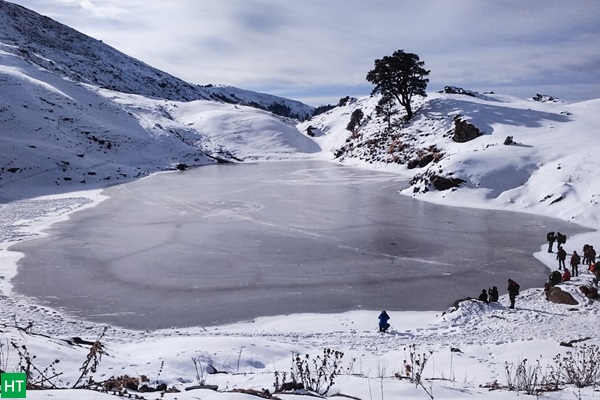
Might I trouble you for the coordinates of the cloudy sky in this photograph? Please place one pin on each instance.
(318, 51)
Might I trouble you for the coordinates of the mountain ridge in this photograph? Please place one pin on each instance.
(67, 52)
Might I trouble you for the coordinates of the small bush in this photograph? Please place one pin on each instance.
(317, 374)
(582, 368)
(531, 379)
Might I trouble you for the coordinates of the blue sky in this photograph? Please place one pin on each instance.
(318, 51)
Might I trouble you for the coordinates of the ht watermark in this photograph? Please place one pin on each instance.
(13, 385)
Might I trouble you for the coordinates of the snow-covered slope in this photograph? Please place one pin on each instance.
(57, 135)
(69, 53)
(76, 114)
(549, 168)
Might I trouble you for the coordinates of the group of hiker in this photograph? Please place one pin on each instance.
(491, 295)
(575, 260)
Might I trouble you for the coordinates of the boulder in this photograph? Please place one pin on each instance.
(443, 183)
(464, 132)
(559, 296)
(589, 291)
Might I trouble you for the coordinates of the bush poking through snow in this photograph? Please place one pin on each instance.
(91, 362)
(316, 375)
(414, 365)
(36, 378)
(582, 368)
(531, 379)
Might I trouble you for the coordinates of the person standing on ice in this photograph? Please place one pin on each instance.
(383, 321)
(513, 292)
(575, 261)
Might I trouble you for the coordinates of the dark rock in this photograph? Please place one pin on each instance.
(458, 90)
(557, 295)
(544, 98)
(287, 386)
(426, 159)
(464, 132)
(443, 183)
(589, 291)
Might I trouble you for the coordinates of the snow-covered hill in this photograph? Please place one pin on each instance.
(76, 113)
(69, 53)
(549, 168)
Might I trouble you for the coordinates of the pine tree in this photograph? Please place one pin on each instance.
(400, 76)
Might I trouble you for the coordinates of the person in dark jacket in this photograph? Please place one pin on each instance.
(513, 292)
(383, 321)
(551, 238)
(561, 239)
(493, 294)
(483, 296)
(555, 278)
(575, 261)
(561, 256)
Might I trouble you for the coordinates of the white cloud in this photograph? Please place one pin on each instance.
(295, 46)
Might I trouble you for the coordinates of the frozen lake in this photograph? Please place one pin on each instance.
(232, 242)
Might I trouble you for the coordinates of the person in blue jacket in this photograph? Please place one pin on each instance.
(383, 321)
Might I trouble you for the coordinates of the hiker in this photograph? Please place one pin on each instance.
(561, 256)
(560, 239)
(585, 253)
(551, 238)
(566, 276)
(493, 294)
(575, 261)
(591, 255)
(483, 296)
(383, 321)
(555, 278)
(513, 292)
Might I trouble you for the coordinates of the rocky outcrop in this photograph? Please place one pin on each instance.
(544, 98)
(444, 183)
(458, 90)
(463, 131)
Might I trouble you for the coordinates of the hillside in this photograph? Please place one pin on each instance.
(76, 113)
(69, 53)
(547, 168)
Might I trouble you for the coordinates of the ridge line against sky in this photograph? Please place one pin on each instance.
(319, 51)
